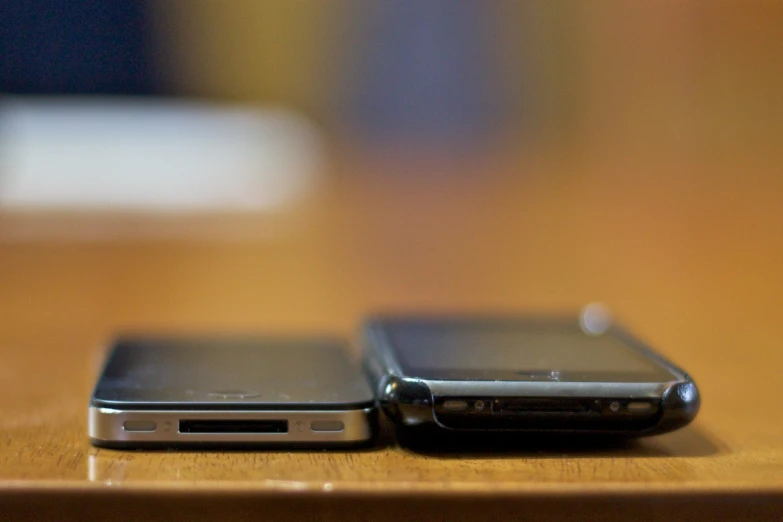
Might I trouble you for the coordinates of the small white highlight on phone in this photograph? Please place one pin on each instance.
(595, 319)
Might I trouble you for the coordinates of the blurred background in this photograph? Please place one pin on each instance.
(291, 165)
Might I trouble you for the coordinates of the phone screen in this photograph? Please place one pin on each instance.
(519, 350)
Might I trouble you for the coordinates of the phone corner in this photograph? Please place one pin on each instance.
(680, 403)
(101, 443)
(406, 401)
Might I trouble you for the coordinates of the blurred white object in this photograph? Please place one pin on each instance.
(152, 156)
(595, 319)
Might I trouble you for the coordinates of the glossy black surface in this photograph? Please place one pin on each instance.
(231, 373)
(535, 349)
(407, 393)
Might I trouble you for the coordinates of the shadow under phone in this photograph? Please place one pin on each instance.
(688, 442)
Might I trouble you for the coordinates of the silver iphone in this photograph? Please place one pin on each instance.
(227, 391)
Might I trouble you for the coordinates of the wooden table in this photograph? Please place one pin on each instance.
(688, 253)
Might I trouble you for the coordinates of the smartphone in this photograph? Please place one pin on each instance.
(526, 374)
(223, 391)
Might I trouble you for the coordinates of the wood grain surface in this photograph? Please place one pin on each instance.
(689, 254)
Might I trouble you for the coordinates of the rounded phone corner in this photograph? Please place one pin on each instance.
(680, 405)
(407, 402)
(96, 403)
(103, 444)
(100, 406)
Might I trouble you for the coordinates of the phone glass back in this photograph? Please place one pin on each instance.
(519, 350)
(231, 372)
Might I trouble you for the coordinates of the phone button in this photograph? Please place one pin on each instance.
(327, 425)
(140, 425)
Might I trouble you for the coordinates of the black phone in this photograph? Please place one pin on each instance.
(524, 374)
(158, 391)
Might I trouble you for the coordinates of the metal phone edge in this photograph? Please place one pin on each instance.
(106, 426)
